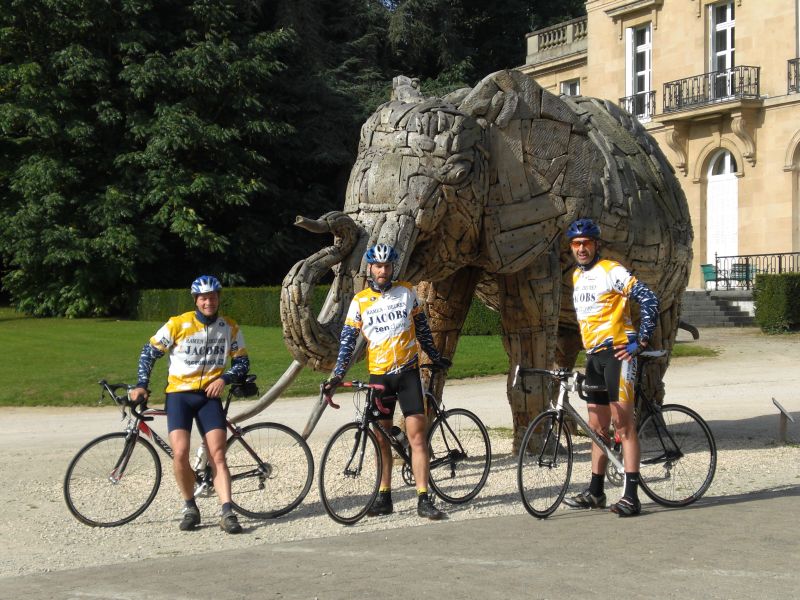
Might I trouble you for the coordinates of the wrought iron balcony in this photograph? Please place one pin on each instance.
(710, 88)
(794, 75)
(641, 105)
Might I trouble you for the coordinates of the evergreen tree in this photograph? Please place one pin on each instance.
(143, 142)
(132, 136)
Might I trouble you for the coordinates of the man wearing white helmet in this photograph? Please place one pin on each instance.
(388, 315)
(199, 343)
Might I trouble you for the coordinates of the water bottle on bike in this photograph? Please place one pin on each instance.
(400, 437)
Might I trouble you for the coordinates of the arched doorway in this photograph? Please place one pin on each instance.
(796, 200)
(722, 207)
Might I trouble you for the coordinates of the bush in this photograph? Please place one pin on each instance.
(481, 320)
(248, 306)
(261, 307)
(777, 302)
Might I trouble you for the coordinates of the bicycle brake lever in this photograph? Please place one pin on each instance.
(380, 406)
(328, 399)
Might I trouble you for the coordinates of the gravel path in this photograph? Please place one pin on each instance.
(39, 534)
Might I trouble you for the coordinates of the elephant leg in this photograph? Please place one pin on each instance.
(568, 345)
(529, 309)
(447, 303)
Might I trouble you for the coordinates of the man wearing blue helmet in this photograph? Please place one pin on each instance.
(199, 343)
(390, 318)
(601, 290)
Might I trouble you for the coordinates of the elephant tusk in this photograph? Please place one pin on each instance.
(312, 225)
(272, 394)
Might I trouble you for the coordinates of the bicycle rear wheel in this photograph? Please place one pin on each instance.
(350, 473)
(460, 455)
(678, 456)
(112, 480)
(544, 467)
(273, 475)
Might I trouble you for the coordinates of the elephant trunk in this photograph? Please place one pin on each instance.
(312, 340)
(309, 340)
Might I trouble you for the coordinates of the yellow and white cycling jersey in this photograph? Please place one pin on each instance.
(197, 352)
(600, 295)
(387, 321)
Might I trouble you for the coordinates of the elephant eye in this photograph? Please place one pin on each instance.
(456, 172)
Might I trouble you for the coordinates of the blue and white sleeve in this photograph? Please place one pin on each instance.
(648, 310)
(347, 345)
(147, 359)
(425, 335)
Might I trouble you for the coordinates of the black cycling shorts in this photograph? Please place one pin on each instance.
(604, 369)
(406, 387)
(184, 407)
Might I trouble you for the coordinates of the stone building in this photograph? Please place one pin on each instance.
(716, 83)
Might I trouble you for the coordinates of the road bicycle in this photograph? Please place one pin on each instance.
(350, 468)
(678, 451)
(115, 477)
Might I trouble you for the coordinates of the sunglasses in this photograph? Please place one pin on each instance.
(581, 243)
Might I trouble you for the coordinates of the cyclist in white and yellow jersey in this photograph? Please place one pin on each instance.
(388, 315)
(199, 344)
(601, 290)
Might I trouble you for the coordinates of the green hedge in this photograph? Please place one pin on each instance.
(481, 320)
(777, 302)
(249, 306)
(261, 307)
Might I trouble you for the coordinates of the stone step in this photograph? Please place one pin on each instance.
(716, 309)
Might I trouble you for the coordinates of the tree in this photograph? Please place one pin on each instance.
(143, 142)
(452, 43)
(127, 131)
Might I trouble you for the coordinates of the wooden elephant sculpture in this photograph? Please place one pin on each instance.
(475, 190)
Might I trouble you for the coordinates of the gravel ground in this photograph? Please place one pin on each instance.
(40, 535)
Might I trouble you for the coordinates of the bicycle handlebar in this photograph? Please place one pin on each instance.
(359, 385)
(137, 407)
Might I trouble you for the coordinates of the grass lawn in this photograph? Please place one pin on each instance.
(57, 362)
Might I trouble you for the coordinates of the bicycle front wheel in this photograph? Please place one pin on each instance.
(112, 480)
(350, 473)
(544, 466)
(460, 455)
(678, 456)
(271, 470)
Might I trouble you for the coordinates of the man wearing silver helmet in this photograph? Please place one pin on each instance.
(387, 313)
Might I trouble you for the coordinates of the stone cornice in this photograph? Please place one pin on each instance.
(702, 3)
(618, 13)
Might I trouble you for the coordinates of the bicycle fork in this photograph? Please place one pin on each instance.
(357, 455)
(122, 464)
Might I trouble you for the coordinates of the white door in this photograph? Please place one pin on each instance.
(722, 208)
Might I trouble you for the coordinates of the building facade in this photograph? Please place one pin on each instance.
(716, 83)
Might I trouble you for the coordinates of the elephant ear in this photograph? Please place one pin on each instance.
(540, 159)
(406, 90)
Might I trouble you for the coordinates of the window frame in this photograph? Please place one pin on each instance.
(632, 51)
(563, 86)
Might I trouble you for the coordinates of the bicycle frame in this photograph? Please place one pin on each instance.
(372, 416)
(570, 381)
(137, 425)
(562, 405)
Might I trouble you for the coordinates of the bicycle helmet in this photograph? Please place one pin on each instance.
(583, 228)
(381, 253)
(205, 284)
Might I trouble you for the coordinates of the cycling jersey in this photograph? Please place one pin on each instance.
(198, 348)
(600, 295)
(392, 321)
